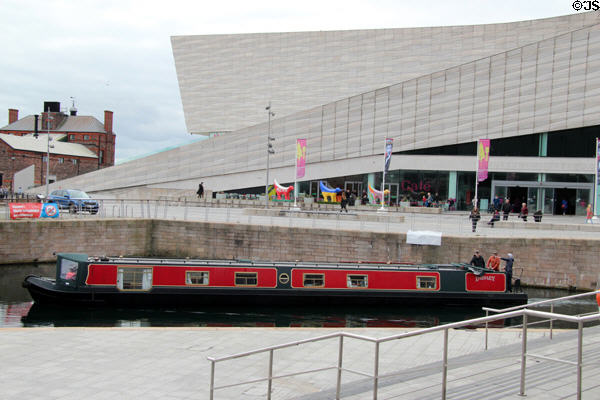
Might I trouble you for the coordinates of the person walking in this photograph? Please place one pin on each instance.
(508, 270)
(200, 191)
(475, 217)
(344, 202)
(494, 262)
(506, 209)
(477, 260)
(589, 214)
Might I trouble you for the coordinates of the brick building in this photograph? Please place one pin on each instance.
(78, 144)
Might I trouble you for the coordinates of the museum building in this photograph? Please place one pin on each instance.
(531, 87)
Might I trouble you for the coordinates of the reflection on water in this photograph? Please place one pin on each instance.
(16, 310)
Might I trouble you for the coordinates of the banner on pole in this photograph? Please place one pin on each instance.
(388, 153)
(483, 155)
(300, 157)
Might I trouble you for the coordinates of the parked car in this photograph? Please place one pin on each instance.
(74, 200)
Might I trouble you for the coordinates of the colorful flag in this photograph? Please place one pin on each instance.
(483, 155)
(300, 157)
(388, 153)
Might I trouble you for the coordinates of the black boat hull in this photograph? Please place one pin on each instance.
(45, 291)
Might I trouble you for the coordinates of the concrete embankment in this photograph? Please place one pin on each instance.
(560, 263)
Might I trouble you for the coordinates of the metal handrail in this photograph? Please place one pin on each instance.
(538, 303)
(535, 304)
(525, 313)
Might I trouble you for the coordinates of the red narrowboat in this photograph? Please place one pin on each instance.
(185, 282)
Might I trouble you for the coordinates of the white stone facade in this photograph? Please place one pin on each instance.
(549, 81)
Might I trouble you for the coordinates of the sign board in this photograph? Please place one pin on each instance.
(33, 210)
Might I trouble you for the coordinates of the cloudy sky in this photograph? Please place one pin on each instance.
(116, 55)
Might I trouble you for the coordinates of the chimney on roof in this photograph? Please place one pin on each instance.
(108, 121)
(72, 110)
(13, 115)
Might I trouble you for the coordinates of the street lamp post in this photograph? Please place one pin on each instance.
(269, 151)
(48, 118)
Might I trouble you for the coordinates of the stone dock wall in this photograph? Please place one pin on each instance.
(560, 263)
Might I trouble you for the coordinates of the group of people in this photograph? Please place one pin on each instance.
(493, 263)
(499, 206)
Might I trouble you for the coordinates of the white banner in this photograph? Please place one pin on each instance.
(430, 238)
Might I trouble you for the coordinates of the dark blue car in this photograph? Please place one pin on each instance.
(74, 200)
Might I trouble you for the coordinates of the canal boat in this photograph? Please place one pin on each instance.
(143, 282)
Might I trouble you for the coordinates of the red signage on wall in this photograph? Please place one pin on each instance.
(33, 210)
(25, 210)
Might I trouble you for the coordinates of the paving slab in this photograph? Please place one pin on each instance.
(171, 363)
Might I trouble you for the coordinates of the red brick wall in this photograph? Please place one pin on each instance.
(12, 161)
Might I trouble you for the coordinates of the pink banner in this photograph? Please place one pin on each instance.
(300, 157)
(483, 156)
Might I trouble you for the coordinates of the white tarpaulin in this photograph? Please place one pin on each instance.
(424, 237)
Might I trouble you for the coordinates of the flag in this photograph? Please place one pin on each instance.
(388, 153)
(300, 157)
(483, 156)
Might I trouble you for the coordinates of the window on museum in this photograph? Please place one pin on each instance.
(61, 160)
(579, 142)
(74, 161)
(86, 137)
(71, 137)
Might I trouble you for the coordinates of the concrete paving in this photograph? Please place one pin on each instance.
(171, 363)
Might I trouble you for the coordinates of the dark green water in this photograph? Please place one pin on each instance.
(17, 310)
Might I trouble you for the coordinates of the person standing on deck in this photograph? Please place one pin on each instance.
(508, 270)
(477, 260)
(494, 262)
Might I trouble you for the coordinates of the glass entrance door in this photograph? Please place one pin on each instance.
(354, 186)
(393, 196)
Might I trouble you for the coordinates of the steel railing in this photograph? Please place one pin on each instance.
(325, 216)
(375, 376)
(551, 302)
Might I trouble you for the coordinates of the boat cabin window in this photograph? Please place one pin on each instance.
(68, 269)
(246, 278)
(426, 282)
(134, 278)
(196, 278)
(358, 281)
(314, 280)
